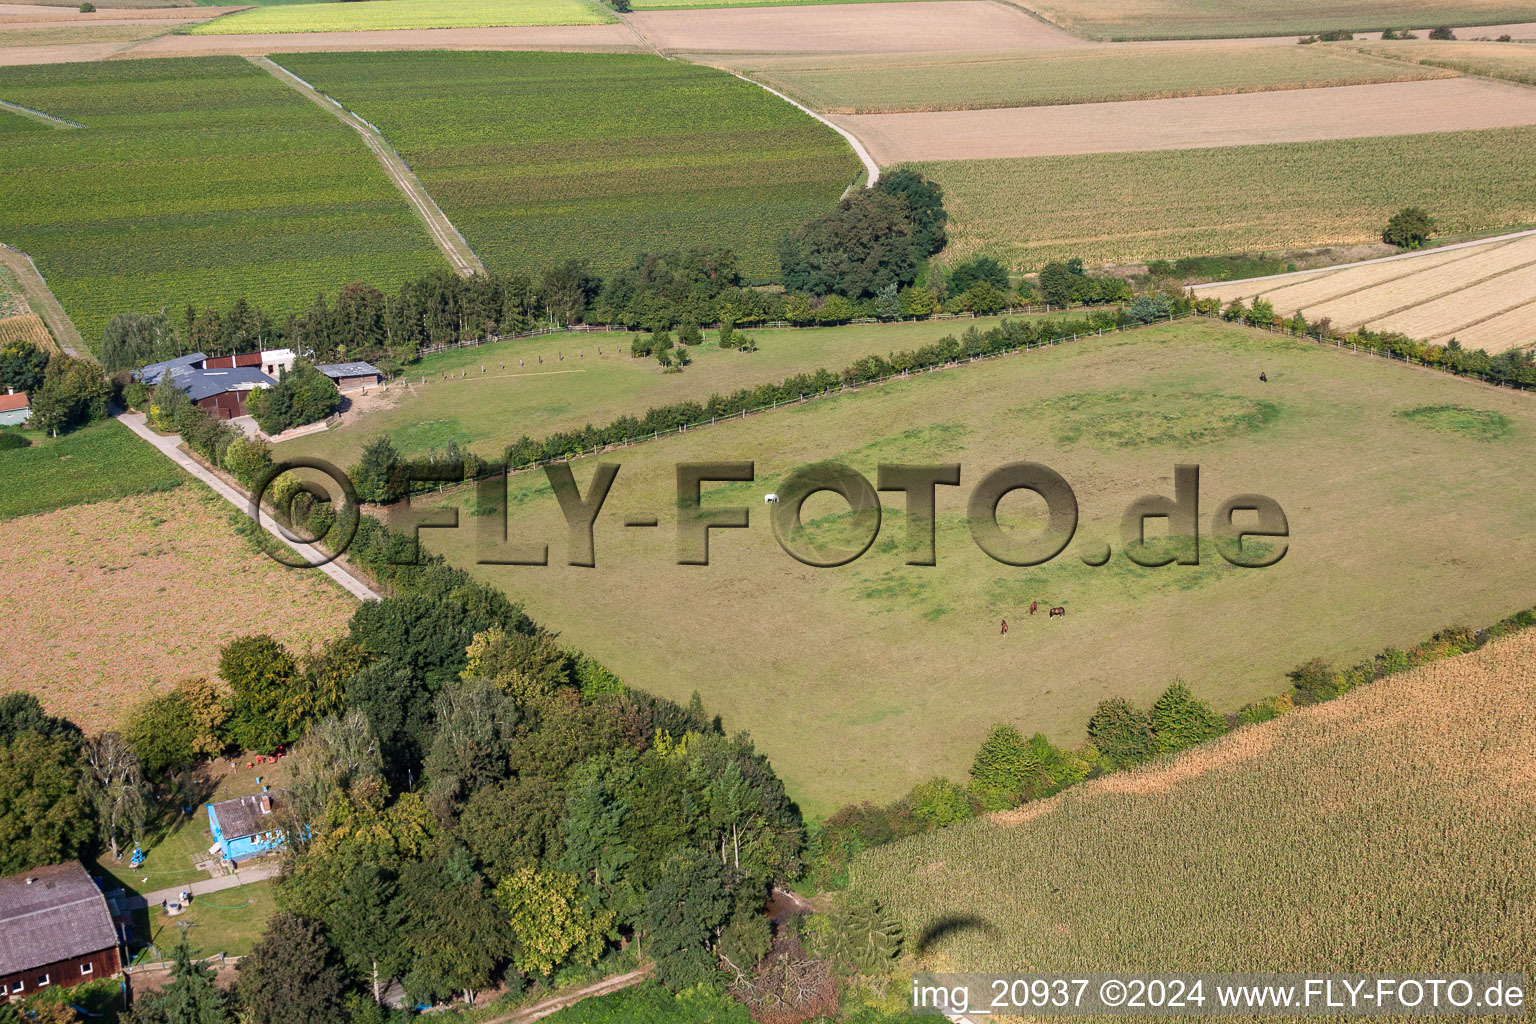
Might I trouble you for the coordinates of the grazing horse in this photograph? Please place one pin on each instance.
(1058, 610)
(1032, 606)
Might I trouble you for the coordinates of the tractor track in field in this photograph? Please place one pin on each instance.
(444, 234)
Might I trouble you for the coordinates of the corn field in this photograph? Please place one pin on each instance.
(1391, 829)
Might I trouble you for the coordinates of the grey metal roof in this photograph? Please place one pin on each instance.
(201, 384)
(61, 915)
(334, 370)
(151, 374)
(242, 817)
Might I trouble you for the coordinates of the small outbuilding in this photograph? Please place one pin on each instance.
(15, 408)
(243, 828)
(352, 376)
(55, 931)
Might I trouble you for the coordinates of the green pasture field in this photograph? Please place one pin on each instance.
(565, 383)
(196, 180)
(542, 157)
(96, 463)
(1206, 19)
(1515, 62)
(397, 14)
(890, 83)
(1124, 207)
(1380, 821)
(695, 5)
(860, 681)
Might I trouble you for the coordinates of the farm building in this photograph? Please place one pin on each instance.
(55, 929)
(351, 376)
(15, 408)
(243, 828)
(155, 372)
(222, 392)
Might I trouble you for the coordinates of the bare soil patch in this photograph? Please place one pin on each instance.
(954, 25)
(104, 603)
(1198, 122)
(579, 38)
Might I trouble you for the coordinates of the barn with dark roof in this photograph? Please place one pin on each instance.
(55, 930)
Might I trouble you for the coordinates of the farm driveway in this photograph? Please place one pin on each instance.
(1196, 122)
(169, 445)
(244, 876)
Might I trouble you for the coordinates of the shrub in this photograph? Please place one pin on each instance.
(1266, 709)
(1179, 719)
(1122, 733)
(688, 334)
(939, 801)
(248, 459)
(1442, 32)
(1314, 680)
(1409, 228)
(303, 395)
(978, 268)
(12, 439)
(87, 8)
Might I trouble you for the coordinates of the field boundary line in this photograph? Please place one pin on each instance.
(169, 446)
(1319, 271)
(871, 169)
(554, 1004)
(34, 287)
(448, 237)
(38, 115)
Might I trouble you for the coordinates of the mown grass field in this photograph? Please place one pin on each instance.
(1206, 19)
(1515, 62)
(196, 180)
(1391, 823)
(397, 14)
(104, 603)
(888, 83)
(862, 680)
(565, 382)
(542, 157)
(1125, 207)
(97, 463)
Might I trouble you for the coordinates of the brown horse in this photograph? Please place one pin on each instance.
(1032, 606)
(1058, 610)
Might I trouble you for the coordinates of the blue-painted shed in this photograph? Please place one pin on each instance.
(244, 827)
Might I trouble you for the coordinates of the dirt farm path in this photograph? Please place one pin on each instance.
(169, 445)
(553, 1005)
(40, 297)
(447, 237)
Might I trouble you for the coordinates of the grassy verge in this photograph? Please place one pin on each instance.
(96, 463)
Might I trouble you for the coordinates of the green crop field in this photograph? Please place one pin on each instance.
(693, 5)
(1123, 207)
(860, 681)
(542, 157)
(196, 180)
(1513, 61)
(886, 83)
(387, 14)
(98, 463)
(565, 382)
(1379, 832)
(1205, 19)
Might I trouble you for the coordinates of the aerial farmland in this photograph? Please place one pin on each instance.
(734, 511)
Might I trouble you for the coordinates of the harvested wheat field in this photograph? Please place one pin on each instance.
(102, 603)
(1513, 61)
(575, 38)
(904, 82)
(27, 327)
(1197, 122)
(852, 28)
(1480, 294)
(1423, 784)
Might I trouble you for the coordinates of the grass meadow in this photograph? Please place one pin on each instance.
(1380, 832)
(542, 157)
(862, 680)
(1205, 19)
(96, 463)
(398, 14)
(892, 83)
(196, 180)
(566, 381)
(1126, 207)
